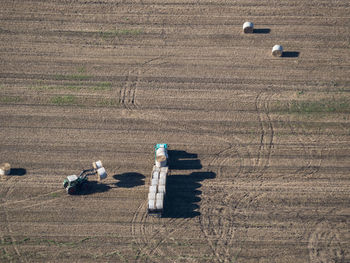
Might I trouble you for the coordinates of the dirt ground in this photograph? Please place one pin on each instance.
(259, 146)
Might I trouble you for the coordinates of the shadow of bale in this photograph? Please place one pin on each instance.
(129, 180)
(182, 160)
(290, 54)
(18, 171)
(261, 31)
(182, 195)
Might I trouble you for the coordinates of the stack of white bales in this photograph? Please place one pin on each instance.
(157, 189)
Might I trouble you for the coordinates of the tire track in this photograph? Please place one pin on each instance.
(326, 243)
(150, 233)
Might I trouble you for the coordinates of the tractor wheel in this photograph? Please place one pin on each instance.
(71, 190)
(65, 184)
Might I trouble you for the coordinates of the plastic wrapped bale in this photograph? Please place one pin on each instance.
(161, 156)
(151, 204)
(162, 181)
(248, 27)
(164, 169)
(277, 50)
(154, 182)
(162, 175)
(97, 164)
(102, 174)
(151, 196)
(155, 175)
(5, 169)
(159, 202)
(161, 189)
(153, 189)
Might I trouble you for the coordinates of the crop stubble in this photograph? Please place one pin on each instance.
(140, 72)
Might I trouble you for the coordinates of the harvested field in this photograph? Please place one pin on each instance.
(259, 145)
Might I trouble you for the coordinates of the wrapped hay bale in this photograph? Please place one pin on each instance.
(161, 189)
(162, 181)
(277, 50)
(248, 27)
(151, 196)
(151, 204)
(159, 204)
(164, 169)
(5, 169)
(102, 174)
(153, 189)
(155, 175)
(161, 157)
(162, 175)
(154, 182)
(97, 164)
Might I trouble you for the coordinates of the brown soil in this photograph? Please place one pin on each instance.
(259, 145)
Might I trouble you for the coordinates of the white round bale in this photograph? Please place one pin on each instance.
(161, 154)
(161, 189)
(154, 182)
(102, 174)
(277, 50)
(162, 181)
(159, 204)
(153, 189)
(160, 196)
(155, 175)
(97, 164)
(248, 27)
(151, 196)
(151, 205)
(5, 169)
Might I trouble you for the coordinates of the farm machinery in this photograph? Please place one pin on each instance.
(75, 184)
(157, 189)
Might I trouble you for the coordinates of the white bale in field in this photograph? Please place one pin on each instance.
(155, 175)
(151, 204)
(161, 154)
(153, 189)
(162, 174)
(151, 196)
(160, 196)
(248, 27)
(277, 50)
(102, 174)
(161, 157)
(164, 169)
(97, 164)
(154, 182)
(5, 169)
(161, 189)
(159, 204)
(162, 181)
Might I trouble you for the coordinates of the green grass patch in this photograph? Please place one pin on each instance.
(79, 77)
(107, 102)
(9, 99)
(312, 107)
(98, 86)
(120, 32)
(64, 100)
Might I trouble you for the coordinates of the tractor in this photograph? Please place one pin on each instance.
(75, 184)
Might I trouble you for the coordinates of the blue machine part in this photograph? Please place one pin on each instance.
(161, 145)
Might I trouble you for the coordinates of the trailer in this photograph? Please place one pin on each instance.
(157, 189)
